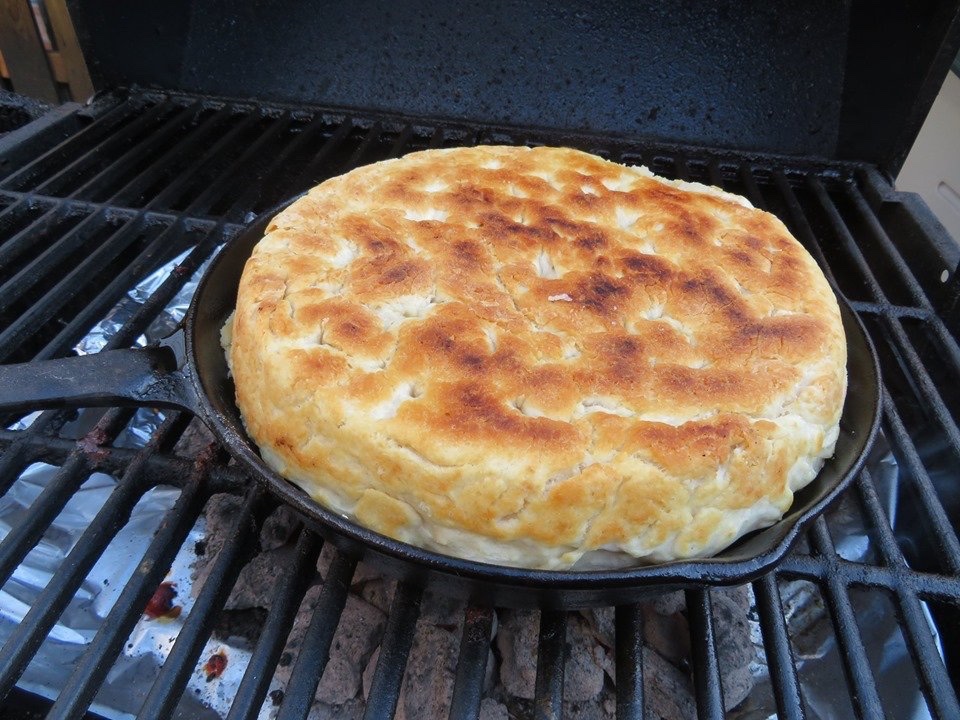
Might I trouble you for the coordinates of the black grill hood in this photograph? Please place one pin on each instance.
(834, 80)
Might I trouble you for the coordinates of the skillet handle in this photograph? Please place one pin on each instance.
(142, 377)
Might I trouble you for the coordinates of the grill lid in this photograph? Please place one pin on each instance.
(850, 80)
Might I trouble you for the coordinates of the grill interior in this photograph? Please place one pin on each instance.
(98, 197)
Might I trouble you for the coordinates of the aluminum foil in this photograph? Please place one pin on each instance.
(818, 661)
(135, 670)
(819, 667)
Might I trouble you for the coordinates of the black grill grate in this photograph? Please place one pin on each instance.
(101, 196)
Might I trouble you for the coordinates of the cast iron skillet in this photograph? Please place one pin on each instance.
(151, 377)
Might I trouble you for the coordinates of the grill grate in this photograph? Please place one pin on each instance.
(100, 197)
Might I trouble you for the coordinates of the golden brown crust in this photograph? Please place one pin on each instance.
(521, 355)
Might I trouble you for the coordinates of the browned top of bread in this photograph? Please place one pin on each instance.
(522, 355)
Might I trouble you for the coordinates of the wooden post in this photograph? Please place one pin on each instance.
(23, 52)
(65, 37)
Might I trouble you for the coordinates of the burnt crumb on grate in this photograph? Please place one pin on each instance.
(161, 603)
(215, 665)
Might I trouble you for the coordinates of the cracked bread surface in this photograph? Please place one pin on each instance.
(539, 358)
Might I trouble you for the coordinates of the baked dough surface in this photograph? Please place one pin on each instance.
(536, 357)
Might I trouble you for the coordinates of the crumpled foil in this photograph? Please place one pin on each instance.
(816, 653)
(818, 663)
(133, 674)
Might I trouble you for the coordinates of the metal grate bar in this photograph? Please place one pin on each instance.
(97, 154)
(629, 662)
(681, 170)
(860, 680)
(315, 649)
(933, 674)
(917, 367)
(30, 632)
(776, 644)
(174, 189)
(872, 308)
(394, 649)
(33, 319)
(551, 664)
(35, 442)
(946, 339)
(883, 241)
(707, 684)
(165, 693)
(18, 285)
(403, 139)
(121, 168)
(61, 154)
(373, 134)
(205, 201)
(268, 179)
(164, 165)
(938, 588)
(55, 495)
(126, 336)
(28, 445)
(27, 238)
(715, 173)
(9, 213)
(802, 223)
(118, 213)
(436, 140)
(151, 256)
(944, 533)
(163, 469)
(923, 380)
(472, 663)
(846, 239)
(318, 166)
(283, 609)
(749, 181)
(92, 668)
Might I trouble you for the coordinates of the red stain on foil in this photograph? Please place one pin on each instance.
(161, 604)
(215, 665)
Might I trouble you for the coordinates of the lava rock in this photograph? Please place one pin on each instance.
(668, 692)
(378, 592)
(354, 641)
(220, 514)
(357, 635)
(517, 642)
(427, 687)
(734, 646)
(259, 579)
(491, 709)
(278, 528)
(350, 710)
